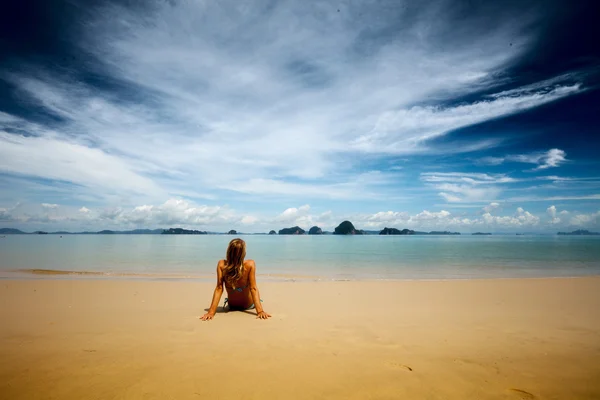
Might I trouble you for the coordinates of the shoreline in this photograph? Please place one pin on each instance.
(56, 274)
(484, 339)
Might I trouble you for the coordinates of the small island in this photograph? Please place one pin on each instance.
(346, 228)
(315, 230)
(394, 231)
(481, 234)
(272, 232)
(295, 230)
(579, 232)
(232, 232)
(181, 231)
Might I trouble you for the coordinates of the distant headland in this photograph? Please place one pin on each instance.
(579, 232)
(394, 231)
(180, 231)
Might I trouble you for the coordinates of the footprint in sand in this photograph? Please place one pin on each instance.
(400, 366)
(522, 394)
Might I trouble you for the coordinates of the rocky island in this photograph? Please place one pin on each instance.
(394, 231)
(346, 228)
(295, 230)
(315, 230)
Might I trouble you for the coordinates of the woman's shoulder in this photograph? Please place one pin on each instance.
(249, 263)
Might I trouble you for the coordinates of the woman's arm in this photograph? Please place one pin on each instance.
(255, 294)
(216, 295)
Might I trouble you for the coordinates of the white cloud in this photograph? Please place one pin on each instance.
(249, 220)
(172, 212)
(553, 158)
(582, 220)
(521, 218)
(467, 193)
(466, 177)
(423, 220)
(544, 160)
(295, 216)
(457, 187)
(551, 211)
(490, 160)
(47, 206)
(445, 220)
(385, 217)
(58, 159)
(549, 159)
(182, 213)
(554, 198)
(450, 198)
(490, 208)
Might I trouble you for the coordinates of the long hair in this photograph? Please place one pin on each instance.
(234, 263)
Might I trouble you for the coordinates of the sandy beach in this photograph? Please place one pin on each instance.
(478, 339)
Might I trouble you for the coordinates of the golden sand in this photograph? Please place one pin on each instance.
(480, 339)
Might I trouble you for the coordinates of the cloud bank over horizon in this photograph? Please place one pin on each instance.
(214, 114)
(181, 213)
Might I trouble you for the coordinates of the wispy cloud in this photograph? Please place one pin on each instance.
(473, 178)
(456, 187)
(549, 159)
(408, 130)
(553, 198)
(543, 160)
(53, 158)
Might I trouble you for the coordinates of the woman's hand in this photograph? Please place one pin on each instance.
(263, 315)
(208, 316)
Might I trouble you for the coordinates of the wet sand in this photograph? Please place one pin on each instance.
(479, 339)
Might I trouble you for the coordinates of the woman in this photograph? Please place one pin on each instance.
(239, 277)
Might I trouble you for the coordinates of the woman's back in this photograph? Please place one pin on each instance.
(243, 282)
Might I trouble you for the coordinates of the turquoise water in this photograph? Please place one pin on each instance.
(305, 257)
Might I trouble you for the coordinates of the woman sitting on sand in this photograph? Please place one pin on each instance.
(239, 277)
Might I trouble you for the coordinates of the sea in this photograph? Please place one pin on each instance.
(300, 258)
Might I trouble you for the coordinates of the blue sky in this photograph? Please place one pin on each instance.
(458, 115)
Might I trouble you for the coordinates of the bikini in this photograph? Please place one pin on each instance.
(240, 290)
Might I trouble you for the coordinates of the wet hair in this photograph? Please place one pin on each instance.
(234, 262)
